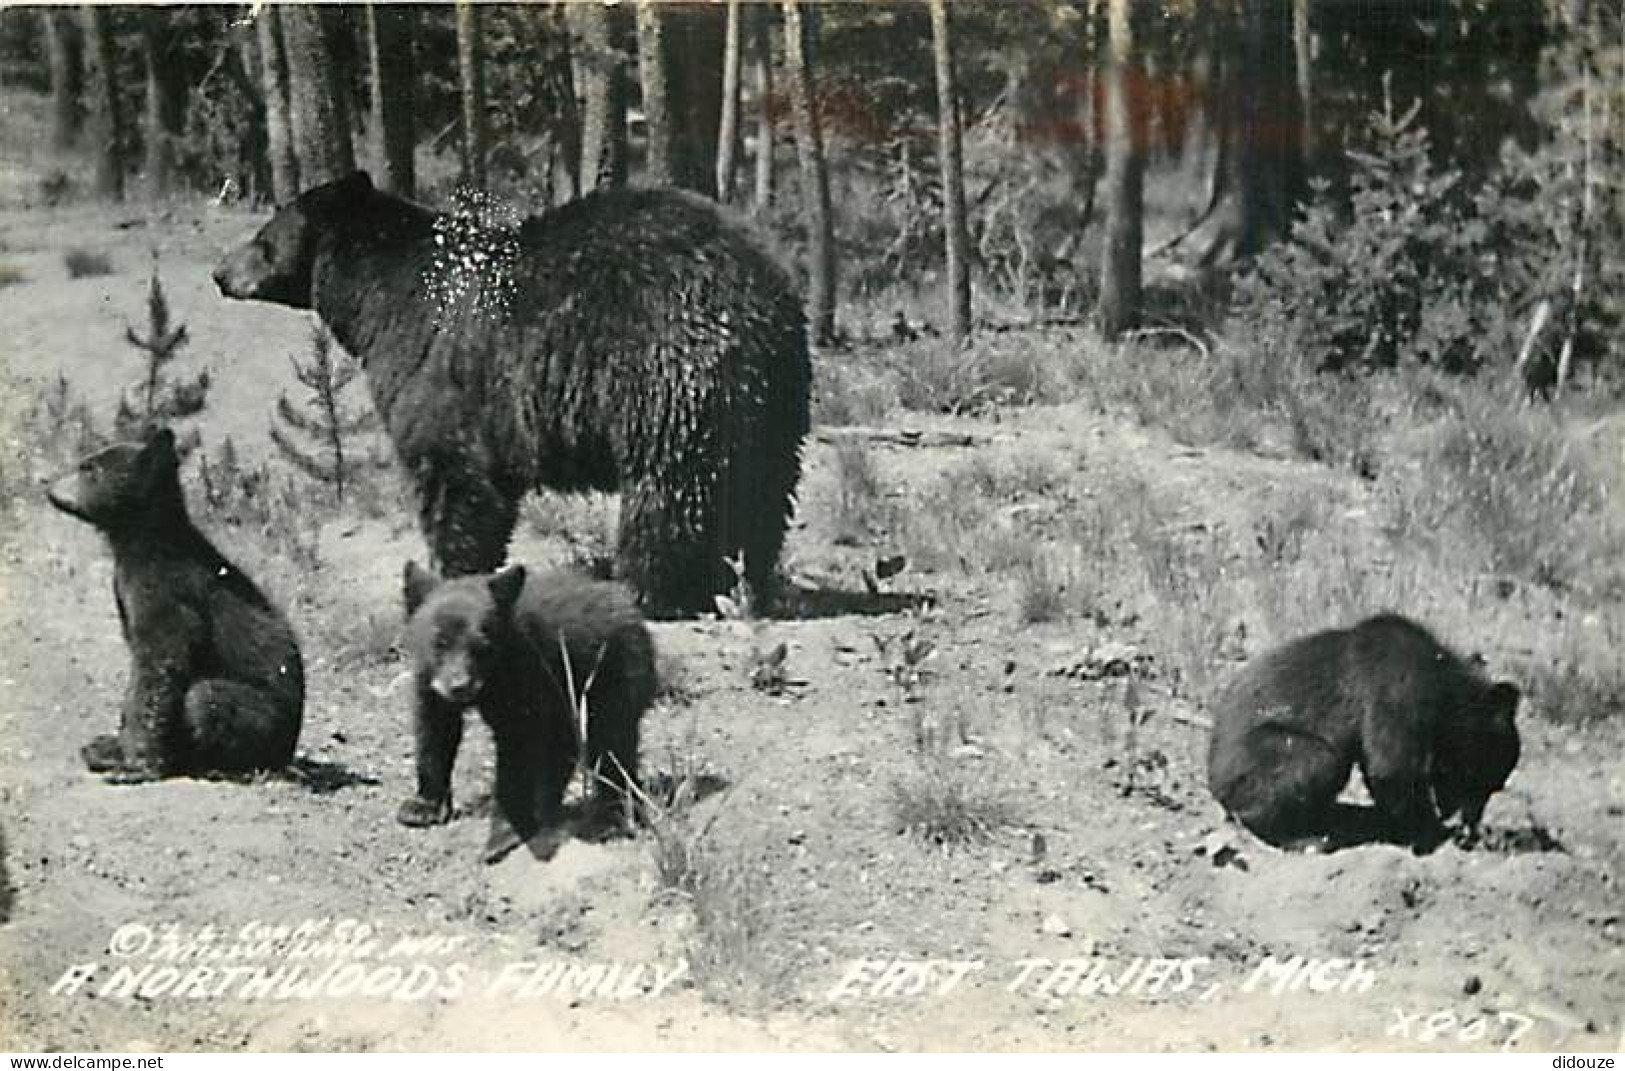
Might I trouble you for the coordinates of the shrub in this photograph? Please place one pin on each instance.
(859, 497)
(1504, 488)
(944, 806)
(83, 264)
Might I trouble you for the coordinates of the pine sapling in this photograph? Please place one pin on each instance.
(157, 400)
(327, 421)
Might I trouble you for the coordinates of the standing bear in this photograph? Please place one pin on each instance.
(216, 682)
(1431, 736)
(538, 655)
(632, 341)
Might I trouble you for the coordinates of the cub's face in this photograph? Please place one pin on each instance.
(116, 483)
(456, 630)
(275, 265)
(1474, 760)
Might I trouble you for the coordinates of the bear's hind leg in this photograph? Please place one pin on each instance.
(612, 758)
(238, 728)
(1287, 793)
(672, 553)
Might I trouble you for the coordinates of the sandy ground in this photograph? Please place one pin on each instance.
(1094, 919)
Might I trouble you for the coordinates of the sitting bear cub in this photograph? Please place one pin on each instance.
(216, 682)
(1431, 736)
(530, 652)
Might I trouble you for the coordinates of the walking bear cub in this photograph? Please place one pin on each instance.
(216, 682)
(530, 652)
(1432, 737)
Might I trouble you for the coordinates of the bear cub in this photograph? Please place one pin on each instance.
(1432, 737)
(526, 650)
(216, 682)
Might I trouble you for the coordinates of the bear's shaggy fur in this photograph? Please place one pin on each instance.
(216, 682)
(528, 651)
(1432, 737)
(632, 341)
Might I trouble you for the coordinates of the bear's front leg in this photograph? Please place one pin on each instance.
(1406, 804)
(438, 733)
(103, 754)
(150, 740)
(533, 768)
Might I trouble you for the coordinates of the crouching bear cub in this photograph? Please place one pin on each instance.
(1431, 735)
(526, 650)
(216, 682)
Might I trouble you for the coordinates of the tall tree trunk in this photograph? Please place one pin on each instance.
(106, 118)
(67, 81)
(1303, 50)
(679, 48)
(814, 175)
(601, 58)
(1263, 155)
(762, 30)
(1119, 309)
(694, 41)
(953, 173)
(251, 172)
(279, 139)
(317, 111)
(728, 126)
(166, 101)
(391, 45)
(567, 118)
(654, 77)
(471, 78)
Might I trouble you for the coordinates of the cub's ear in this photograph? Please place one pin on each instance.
(160, 446)
(417, 583)
(1504, 696)
(506, 585)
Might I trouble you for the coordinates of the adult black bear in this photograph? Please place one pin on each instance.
(528, 651)
(1432, 737)
(216, 682)
(631, 341)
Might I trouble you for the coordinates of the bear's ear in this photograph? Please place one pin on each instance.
(417, 583)
(1504, 696)
(506, 585)
(356, 184)
(159, 451)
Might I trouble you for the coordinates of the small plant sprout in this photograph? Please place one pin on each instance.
(767, 662)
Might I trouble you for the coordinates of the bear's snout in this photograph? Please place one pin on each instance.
(223, 279)
(63, 493)
(459, 689)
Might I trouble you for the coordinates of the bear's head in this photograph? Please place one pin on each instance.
(117, 486)
(457, 629)
(1476, 751)
(275, 265)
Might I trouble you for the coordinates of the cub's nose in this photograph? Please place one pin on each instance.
(460, 691)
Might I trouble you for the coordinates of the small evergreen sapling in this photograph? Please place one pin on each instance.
(156, 399)
(327, 421)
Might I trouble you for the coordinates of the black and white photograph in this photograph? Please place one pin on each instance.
(813, 525)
